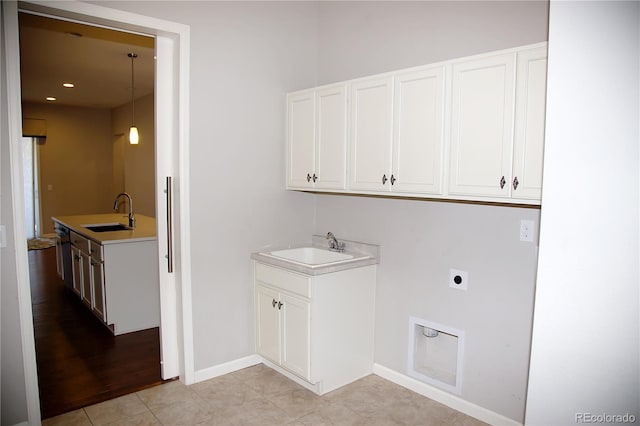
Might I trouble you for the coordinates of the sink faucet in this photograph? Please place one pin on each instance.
(334, 244)
(132, 219)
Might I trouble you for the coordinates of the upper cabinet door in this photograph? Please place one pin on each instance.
(301, 139)
(531, 89)
(482, 126)
(418, 131)
(370, 137)
(331, 137)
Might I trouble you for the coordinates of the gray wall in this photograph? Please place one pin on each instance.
(12, 387)
(361, 38)
(586, 330)
(244, 58)
(422, 240)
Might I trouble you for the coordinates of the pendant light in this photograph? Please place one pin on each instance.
(133, 131)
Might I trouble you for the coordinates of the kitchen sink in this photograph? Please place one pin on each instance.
(107, 227)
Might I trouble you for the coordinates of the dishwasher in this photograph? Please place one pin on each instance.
(63, 254)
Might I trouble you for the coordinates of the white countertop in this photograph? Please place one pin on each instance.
(145, 229)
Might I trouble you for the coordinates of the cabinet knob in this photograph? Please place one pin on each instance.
(384, 179)
(273, 302)
(308, 177)
(502, 182)
(393, 180)
(314, 178)
(279, 305)
(515, 183)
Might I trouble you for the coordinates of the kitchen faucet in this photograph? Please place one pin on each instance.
(334, 244)
(132, 219)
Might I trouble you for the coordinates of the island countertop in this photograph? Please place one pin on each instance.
(145, 229)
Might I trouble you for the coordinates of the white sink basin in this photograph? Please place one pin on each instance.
(310, 255)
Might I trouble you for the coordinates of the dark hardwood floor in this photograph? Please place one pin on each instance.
(79, 361)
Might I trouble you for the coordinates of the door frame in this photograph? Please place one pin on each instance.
(172, 159)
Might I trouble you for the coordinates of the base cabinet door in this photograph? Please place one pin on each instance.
(87, 288)
(76, 271)
(97, 277)
(296, 342)
(268, 323)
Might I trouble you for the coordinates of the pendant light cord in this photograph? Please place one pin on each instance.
(133, 103)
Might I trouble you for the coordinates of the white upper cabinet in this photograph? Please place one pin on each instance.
(317, 138)
(465, 129)
(482, 126)
(418, 131)
(531, 89)
(301, 139)
(370, 138)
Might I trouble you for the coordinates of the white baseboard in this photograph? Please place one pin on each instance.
(227, 367)
(443, 397)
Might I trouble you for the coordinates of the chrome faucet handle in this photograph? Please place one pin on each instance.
(334, 244)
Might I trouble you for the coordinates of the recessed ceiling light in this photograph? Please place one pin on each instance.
(51, 98)
(68, 85)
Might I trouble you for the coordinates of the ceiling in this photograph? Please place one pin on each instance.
(95, 59)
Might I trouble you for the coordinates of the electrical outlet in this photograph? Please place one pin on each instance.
(458, 279)
(526, 230)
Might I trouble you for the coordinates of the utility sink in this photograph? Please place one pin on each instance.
(107, 227)
(311, 255)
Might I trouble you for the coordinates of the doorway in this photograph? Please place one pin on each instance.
(81, 169)
(172, 160)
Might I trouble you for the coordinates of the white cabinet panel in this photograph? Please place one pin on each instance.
(530, 123)
(296, 345)
(482, 126)
(370, 138)
(418, 131)
(331, 137)
(301, 139)
(317, 138)
(268, 323)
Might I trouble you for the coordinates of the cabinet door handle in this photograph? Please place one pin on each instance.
(314, 178)
(280, 305)
(502, 182)
(308, 177)
(515, 183)
(393, 180)
(273, 302)
(384, 178)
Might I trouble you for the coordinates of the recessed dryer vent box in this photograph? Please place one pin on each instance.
(435, 354)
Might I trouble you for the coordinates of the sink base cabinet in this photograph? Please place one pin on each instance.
(317, 328)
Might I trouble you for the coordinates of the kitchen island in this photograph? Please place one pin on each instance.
(115, 272)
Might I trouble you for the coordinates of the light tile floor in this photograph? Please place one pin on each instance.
(259, 395)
